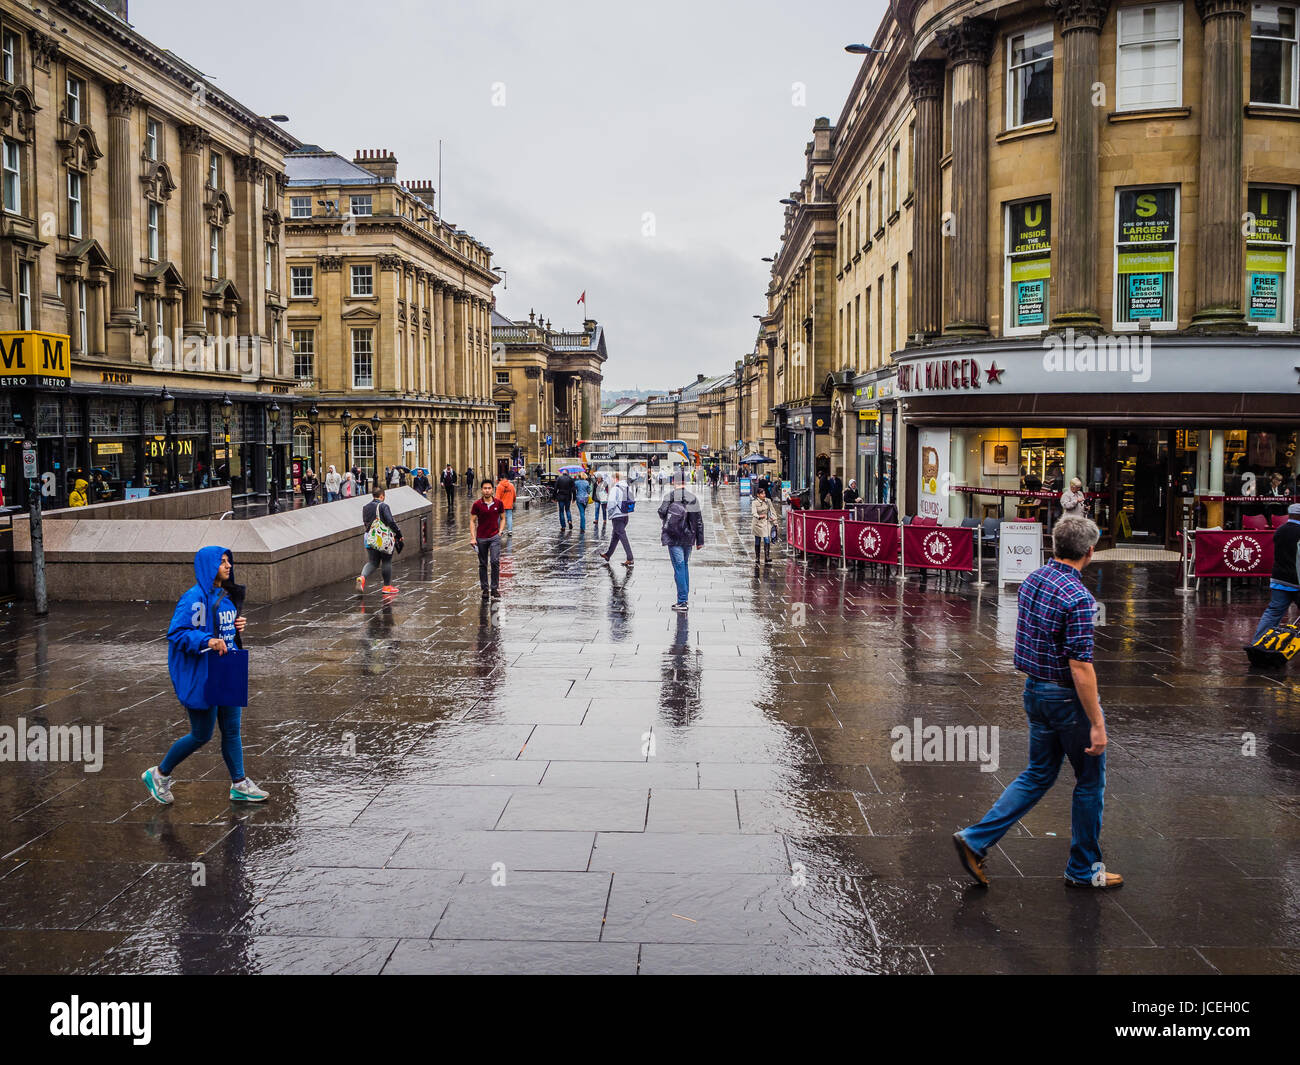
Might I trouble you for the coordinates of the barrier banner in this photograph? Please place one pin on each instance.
(871, 541)
(794, 528)
(822, 529)
(939, 547)
(1222, 553)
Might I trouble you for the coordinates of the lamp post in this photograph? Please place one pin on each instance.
(227, 409)
(344, 419)
(374, 425)
(273, 413)
(167, 405)
(313, 419)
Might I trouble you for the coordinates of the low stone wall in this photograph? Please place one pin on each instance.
(186, 506)
(276, 556)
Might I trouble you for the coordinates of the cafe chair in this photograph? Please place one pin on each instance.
(1254, 522)
(990, 532)
(1279, 520)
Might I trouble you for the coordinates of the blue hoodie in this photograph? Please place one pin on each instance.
(201, 613)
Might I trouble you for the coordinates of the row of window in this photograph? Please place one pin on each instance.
(300, 206)
(855, 318)
(1149, 62)
(855, 229)
(302, 281)
(363, 356)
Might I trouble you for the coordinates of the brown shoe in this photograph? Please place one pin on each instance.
(970, 861)
(1110, 880)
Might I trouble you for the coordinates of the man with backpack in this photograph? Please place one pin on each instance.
(382, 538)
(620, 508)
(683, 529)
(449, 485)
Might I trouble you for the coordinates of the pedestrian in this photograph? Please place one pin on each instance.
(449, 485)
(77, 497)
(1054, 649)
(563, 499)
(582, 496)
(348, 488)
(620, 509)
(1284, 583)
(208, 622)
(358, 480)
(683, 528)
(395, 477)
(762, 523)
(469, 480)
(506, 494)
(851, 493)
(601, 495)
(382, 539)
(333, 482)
(1074, 504)
(835, 489)
(309, 487)
(421, 481)
(485, 537)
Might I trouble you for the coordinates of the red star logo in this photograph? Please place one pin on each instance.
(995, 375)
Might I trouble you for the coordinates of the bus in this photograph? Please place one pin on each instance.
(645, 457)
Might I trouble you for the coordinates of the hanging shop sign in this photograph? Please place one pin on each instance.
(31, 360)
(108, 449)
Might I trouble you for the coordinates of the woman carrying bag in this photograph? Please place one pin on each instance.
(382, 538)
(762, 524)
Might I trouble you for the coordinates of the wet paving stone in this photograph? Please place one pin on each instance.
(580, 780)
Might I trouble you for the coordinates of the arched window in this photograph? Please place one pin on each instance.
(301, 442)
(363, 451)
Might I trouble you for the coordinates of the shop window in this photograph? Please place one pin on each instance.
(1150, 59)
(1270, 242)
(1029, 77)
(1273, 78)
(1146, 257)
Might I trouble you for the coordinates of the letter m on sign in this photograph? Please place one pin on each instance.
(12, 353)
(52, 357)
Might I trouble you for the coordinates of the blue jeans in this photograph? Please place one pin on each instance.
(331, 496)
(1278, 605)
(202, 722)
(681, 557)
(510, 521)
(566, 515)
(582, 517)
(1058, 728)
(602, 512)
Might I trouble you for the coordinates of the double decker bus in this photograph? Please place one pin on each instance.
(642, 458)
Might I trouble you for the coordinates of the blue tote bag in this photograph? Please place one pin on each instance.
(227, 683)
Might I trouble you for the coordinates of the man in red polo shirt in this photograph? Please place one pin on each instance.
(485, 537)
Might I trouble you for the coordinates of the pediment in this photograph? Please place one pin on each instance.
(165, 273)
(88, 252)
(224, 290)
(504, 392)
(360, 314)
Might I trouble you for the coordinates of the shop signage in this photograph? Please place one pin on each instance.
(408, 443)
(933, 502)
(108, 449)
(1146, 216)
(30, 360)
(156, 449)
(1020, 550)
(868, 415)
(280, 390)
(29, 462)
(947, 375)
(1234, 554)
(1031, 226)
(1269, 220)
(930, 548)
(113, 377)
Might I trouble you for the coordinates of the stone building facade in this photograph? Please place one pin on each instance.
(389, 317)
(141, 218)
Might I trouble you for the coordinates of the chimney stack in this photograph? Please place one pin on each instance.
(422, 191)
(379, 161)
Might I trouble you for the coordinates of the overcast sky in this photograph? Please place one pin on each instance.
(682, 110)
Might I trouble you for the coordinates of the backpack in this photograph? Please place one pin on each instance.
(380, 537)
(675, 520)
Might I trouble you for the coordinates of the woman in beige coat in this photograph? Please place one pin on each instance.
(762, 521)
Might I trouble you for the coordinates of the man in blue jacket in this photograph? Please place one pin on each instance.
(206, 622)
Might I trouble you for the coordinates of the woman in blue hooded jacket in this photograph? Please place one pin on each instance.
(206, 622)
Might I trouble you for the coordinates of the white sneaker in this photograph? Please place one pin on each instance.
(247, 791)
(160, 787)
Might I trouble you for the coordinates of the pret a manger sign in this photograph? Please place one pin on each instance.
(30, 360)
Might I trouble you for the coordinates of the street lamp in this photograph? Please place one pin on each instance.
(864, 49)
(227, 410)
(313, 419)
(788, 201)
(167, 405)
(345, 418)
(374, 425)
(273, 413)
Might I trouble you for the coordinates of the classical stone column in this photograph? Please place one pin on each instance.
(969, 44)
(122, 99)
(193, 141)
(1219, 275)
(437, 378)
(449, 340)
(925, 80)
(462, 346)
(1074, 259)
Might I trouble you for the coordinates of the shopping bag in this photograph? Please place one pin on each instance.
(1275, 647)
(227, 683)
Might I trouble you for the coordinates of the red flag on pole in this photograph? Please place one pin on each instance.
(583, 297)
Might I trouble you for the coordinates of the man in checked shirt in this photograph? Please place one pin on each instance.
(1054, 651)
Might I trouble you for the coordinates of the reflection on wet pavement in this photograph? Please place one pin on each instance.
(582, 780)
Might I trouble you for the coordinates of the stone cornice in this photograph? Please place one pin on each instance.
(1072, 15)
(969, 41)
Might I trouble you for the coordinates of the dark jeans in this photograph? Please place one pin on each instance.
(451, 493)
(601, 512)
(566, 515)
(620, 536)
(202, 722)
(489, 549)
(1058, 729)
(378, 561)
(1279, 603)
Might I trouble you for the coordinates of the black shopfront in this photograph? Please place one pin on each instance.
(127, 442)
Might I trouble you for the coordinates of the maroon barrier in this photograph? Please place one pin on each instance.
(794, 529)
(1233, 554)
(822, 531)
(871, 541)
(944, 547)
